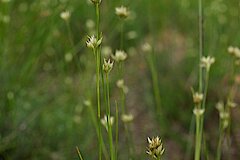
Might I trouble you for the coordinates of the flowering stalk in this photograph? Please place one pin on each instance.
(107, 67)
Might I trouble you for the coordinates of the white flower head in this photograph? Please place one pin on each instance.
(107, 65)
(120, 84)
(68, 57)
(197, 97)
(122, 12)
(231, 104)
(107, 121)
(206, 62)
(224, 115)
(96, 1)
(92, 42)
(119, 56)
(155, 147)
(146, 47)
(198, 111)
(65, 15)
(126, 118)
(220, 106)
(106, 51)
(90, 24)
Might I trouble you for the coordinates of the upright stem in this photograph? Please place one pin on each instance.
(109, 120)
(98, 59)
(70, 36)
(201, 44)
(219, 147)
(199, 120)
(116, 134)
(121, 34)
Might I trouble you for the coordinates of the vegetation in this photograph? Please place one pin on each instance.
(102, 79)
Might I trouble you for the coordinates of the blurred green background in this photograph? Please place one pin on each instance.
(45, 79)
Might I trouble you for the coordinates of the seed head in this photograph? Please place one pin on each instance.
(92, 42)
(122, 12)
(65, 15)
(107, 65)
(206, 62)
(119, 56)
(107, 121)
(155, 147)
(126, 118)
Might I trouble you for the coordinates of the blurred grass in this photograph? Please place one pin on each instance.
(42, 115)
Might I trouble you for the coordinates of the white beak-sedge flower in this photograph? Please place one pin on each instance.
(197, 97)
(206, 62)
(119, 56)
(126, 118)
(120, 84)
(107, 65)
(92, 42)
(146, 47)
(105, 121)
(122, 12)
(155, 148)
(65, 15)
(96, 1)
(198, 111)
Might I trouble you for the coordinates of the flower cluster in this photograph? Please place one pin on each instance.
(235, 51)
(96, 1)
(126, 118)
(122, 12)
(107, 121)
(65, 15)
(92, 42)
(119, 56)
(155, 148)
(206, 62)
(107, 65)
(120, 84)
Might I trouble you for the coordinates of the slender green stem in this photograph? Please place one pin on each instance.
(79, 153)
(98, 101)
(109, 119)
(121, 34)
(155, 83)
(70, 36)
(116, 134)
(98, 59)
(201, 43)
(219, 147)
(199, 120)
(197, 139)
